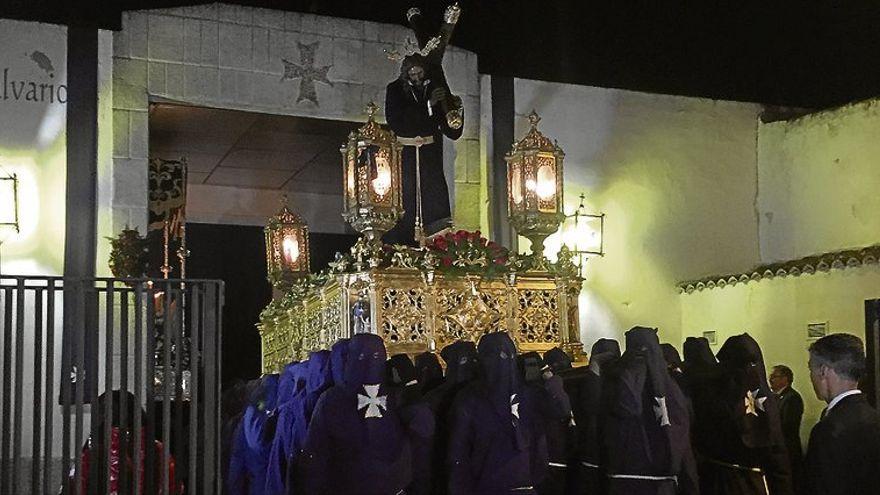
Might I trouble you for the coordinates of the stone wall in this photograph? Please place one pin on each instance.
(233, 57)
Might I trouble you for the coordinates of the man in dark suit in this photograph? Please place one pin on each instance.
(843, 455)
(791, 410)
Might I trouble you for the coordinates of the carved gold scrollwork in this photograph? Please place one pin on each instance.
(412, 314)
(404, 314)
(464, 313)
(538, 315)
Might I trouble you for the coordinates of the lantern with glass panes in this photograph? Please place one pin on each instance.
(584, 234)
(534, 189)
(287, 247)
(373, 200)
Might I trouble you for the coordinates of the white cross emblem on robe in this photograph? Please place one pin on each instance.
(514, 406)
(753, 402)
(372, 401)
(661, 412)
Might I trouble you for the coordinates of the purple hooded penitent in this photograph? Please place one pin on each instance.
(428, 371)
(253, 441)
(646, 423)
(292, 388)
(338, 355)
(497, 434)
(461, 369)
(740, 424)
(356, 442)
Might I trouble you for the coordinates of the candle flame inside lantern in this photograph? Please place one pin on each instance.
(382, 182)
(350, 179)
(290, 249)
(546, 186)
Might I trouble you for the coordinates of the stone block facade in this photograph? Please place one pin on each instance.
(243, 58)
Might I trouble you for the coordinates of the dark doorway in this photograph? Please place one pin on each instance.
(235, 254)
(871, 382)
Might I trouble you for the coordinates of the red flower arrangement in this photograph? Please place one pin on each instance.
(469, 252)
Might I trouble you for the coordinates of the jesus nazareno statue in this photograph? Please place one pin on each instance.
(421, 110)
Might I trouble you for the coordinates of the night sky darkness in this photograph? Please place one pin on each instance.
(815, 54)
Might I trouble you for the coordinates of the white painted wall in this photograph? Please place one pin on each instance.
(820, 177)
(676, 178)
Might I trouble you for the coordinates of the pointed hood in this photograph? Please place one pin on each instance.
(643, 345)
(671, 356)
(320, 376)
(500, 373)
(557, 359)
(461, 361)
(338, 355)
(366, 361)
(401, 371)
(263, 402)
(698, 354)
(289, 381)
(428, 371)
(606, 346)
(529, 365)
(749, 400)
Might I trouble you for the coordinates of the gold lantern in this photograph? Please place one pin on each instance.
(373, 200)
(287, 247)
(534, 189)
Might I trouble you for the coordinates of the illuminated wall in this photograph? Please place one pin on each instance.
(33, 65)
(819, 177)
(676, 178)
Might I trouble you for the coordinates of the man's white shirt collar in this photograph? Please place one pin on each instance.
(840, 397)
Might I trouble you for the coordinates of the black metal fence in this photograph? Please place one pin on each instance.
(110, 385)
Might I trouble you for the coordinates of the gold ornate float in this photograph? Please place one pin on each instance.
(460, 286)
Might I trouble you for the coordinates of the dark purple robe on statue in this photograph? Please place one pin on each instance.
(406, 108)
(497, 432)
(357, 441)
(646, 427)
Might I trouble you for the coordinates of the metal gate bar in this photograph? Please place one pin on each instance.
(108, 383)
